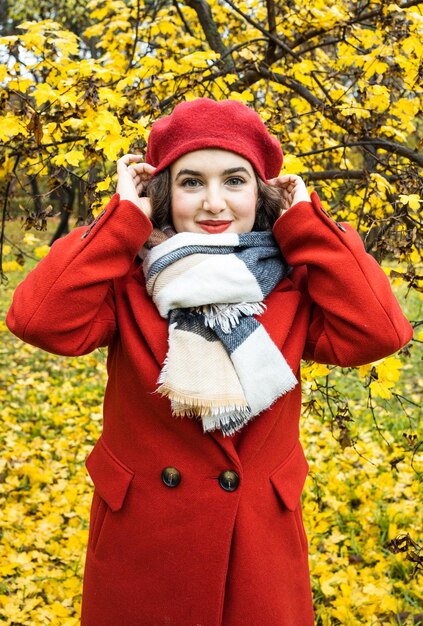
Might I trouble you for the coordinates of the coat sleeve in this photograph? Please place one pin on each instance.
(355, 318)
(66, 304)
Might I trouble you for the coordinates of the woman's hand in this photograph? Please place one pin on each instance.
(292, 189)
(132, 179)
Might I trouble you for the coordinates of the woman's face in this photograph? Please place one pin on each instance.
(213, 191)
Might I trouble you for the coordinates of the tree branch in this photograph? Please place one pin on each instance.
(393, 148)
(205, 17)
(343, 175)
(390, 146)
(271, 20)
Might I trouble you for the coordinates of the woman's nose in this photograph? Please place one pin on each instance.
(214, 202)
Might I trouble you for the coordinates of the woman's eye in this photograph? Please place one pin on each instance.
(235, 180)
(190, 182)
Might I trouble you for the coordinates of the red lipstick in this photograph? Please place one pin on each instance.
(214, 226)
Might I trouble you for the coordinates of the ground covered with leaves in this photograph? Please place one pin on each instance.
(360, 431)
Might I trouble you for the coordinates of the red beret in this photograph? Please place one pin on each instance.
(204, 123)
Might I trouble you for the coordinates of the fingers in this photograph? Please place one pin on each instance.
(292, 190)
(287, 181)
(133, 175)
(127, 159)
(131, 163)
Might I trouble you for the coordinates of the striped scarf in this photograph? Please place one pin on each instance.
(221, 364)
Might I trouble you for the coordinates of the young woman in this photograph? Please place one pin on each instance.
(196, 517)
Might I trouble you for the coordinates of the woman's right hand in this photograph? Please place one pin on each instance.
(133, 175)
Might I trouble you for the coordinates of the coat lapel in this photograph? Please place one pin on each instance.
(227, 445)
(153, 327)
(281, 308)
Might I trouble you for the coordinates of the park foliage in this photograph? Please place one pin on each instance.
(339, 84)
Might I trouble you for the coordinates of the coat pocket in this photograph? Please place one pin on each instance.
(288, 478)
(111, 480)
(288, 482)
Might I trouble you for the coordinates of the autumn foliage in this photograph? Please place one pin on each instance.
(339, 84)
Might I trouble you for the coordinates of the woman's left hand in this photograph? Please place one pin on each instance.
(292, 190)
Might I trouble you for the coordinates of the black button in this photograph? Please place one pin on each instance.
(229, 480)
(171, 476)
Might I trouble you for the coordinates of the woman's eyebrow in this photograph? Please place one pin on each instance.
(185, 171)
(231, 170)
(234, 170)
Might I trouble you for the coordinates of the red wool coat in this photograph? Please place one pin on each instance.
(196, 554)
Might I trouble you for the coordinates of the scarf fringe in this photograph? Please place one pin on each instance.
(194, 406)
(227, 316)
(228, 425)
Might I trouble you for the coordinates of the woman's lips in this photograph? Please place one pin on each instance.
(215, 226)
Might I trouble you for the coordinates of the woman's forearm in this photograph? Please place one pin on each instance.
(66, 305)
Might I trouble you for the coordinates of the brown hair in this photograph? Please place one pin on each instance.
(159, 191)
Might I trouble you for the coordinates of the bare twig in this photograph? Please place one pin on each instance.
(134, 45)
(182, 18)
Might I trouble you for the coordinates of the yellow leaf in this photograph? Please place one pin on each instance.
(377, 97)
(3, 71)
(245, 96)
(389, 370)
(59, 159)
(292, 164)
(363, 370)
(104, 185)
(381, 182)
(41, 251)
(112, 97)
(247, 54)
(114, 145)
(10, 127)
(199, 58)
(44, 93)
(412, 44)
(413, 200)
(380, 389)
(12, 266)
(59, 610)
(74, 157)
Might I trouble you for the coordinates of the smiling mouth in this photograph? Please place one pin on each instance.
(215, 226)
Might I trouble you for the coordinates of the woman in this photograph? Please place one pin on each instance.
(197, 521)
